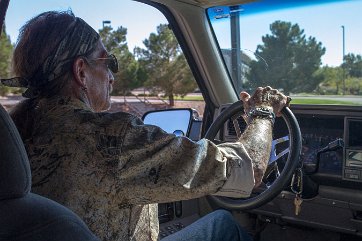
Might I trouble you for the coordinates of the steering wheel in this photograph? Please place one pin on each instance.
(270, 192)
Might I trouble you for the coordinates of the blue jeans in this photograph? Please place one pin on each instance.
(216, 226)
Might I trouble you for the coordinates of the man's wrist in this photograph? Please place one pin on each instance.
(261, 112)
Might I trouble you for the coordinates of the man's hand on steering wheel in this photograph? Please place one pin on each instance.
(265, 97)
(259, 111)
(265, 103)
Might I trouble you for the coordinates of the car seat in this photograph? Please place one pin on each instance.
(24, 215)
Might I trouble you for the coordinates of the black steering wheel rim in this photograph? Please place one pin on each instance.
(278, 185)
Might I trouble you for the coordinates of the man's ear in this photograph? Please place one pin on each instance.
(79, 67)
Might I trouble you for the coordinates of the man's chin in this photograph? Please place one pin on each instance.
(106, 107)
(108, 104)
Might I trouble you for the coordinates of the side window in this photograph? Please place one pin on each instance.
(154, 73)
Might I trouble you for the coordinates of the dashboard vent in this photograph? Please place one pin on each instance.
(231, 132)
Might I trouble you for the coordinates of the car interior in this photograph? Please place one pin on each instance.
(312, 189)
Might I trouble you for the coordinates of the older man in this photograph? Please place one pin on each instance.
(110, 168)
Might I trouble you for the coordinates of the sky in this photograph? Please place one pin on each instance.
(141, 20)
(320, 21)
(124, 13)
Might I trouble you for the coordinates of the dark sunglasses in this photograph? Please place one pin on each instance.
(111, 62)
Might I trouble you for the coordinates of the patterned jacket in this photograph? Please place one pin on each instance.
(112, 170)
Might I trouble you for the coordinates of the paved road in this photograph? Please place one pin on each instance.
(10, 100)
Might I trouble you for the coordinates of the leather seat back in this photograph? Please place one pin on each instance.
(23, 215)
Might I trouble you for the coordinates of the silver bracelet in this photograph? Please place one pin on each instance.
(262, 113)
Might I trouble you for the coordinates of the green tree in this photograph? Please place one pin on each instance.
(287, 59)
(166, 66)
(330, 79)
(353, 65)
(354, 86)
(6, 49)
(128, 75)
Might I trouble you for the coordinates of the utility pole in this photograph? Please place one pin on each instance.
(235, 47)
(343, 64)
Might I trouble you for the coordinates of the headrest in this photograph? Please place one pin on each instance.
(15, 175)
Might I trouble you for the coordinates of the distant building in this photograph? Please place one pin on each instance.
(244, 65)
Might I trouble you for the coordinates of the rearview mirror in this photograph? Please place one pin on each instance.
(176, 121)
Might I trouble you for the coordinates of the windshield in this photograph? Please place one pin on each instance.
(310, 50)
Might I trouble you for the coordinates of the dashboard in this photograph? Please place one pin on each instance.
(332, 164)
(331, 141)
(317, 134)
(332, 144)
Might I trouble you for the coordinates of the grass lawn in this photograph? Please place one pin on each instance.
(321, 102)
